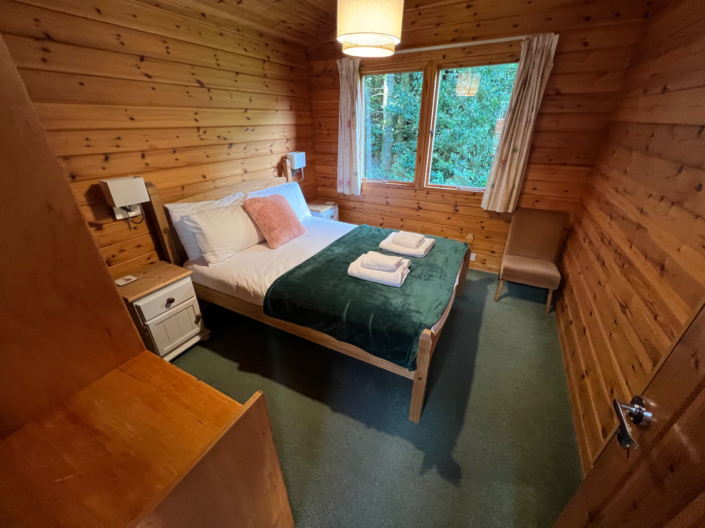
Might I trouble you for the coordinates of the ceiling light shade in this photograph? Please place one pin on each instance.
(369, 28)
(467, 84)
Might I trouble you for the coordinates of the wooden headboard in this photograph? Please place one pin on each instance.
(173, 250)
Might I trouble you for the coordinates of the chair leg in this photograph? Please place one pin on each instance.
(499, 290)
(548, 301)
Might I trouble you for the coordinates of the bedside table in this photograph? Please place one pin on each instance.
(327, 210)
(163, 305)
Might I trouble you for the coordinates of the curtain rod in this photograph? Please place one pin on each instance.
(463, 44)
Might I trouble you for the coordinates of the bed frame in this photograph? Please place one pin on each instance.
(427, 342)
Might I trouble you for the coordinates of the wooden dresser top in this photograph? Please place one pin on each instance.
(110, 453)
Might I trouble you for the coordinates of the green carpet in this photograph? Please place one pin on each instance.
(495, 446)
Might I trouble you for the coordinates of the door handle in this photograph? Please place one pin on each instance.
(637, 413)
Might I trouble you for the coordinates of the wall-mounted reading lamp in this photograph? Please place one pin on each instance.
(125, 196)
(296, 161)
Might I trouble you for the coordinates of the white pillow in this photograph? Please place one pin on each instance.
(292, 193)
(177, 212)
(223, 232)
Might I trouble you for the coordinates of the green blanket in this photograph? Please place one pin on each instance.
(382, 320)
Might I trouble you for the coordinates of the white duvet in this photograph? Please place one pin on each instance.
(248, 275)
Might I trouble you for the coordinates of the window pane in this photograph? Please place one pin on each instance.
(469, 121)
(392, 107)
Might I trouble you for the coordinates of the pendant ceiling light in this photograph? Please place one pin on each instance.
(467, 84)
(369, 28)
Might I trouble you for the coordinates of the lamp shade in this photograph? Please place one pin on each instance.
(369, 28)
(297, 160)
(122, 192)
(468, 84)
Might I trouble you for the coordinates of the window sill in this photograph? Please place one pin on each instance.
(388, 183)
(455, 189)
(479, 191)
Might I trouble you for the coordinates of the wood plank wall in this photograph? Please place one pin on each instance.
(595, 45)
(124, 88)
(634, 265)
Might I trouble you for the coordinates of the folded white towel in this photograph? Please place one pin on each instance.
(377, 261)
(410, 240)
(388, 245)
(387, 278)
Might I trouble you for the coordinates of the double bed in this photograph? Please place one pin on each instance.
(242, 283)
(249, 274)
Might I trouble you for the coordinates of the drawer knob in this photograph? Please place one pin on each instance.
(170, 300)
(199, 316)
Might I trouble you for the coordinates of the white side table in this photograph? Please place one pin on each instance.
(163, 306)
(326, 210)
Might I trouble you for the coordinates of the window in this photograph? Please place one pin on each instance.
(443, 132)
(392, 106)
(470, 110)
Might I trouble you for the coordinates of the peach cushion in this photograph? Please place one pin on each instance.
(275, 218)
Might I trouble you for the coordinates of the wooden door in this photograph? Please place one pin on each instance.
(662, 482)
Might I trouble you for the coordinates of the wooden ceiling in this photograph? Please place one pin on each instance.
(440, 22)
(312, 22)
(302, 21)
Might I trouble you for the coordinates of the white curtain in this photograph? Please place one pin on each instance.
(507, 173)
(350, 128)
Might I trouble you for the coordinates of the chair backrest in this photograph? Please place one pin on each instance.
(537, 234)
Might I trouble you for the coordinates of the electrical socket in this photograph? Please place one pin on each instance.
(473, 256)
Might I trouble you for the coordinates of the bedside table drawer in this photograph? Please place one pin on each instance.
(166, 299)
(175, 327)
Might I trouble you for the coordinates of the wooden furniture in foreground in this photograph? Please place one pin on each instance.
(237, 483)
(94, 430)
(427, 341)
(143, 446)
(50, 265)
(163, 306)
(533, 246)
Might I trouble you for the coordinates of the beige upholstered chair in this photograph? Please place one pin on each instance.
(533, 246)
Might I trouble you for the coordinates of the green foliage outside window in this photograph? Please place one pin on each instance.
(392, 108)
(466, 132)
(468, 128)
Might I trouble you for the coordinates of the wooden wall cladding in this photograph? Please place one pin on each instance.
(302, 21)
(126, 88)
(635, 262)
(595, 45)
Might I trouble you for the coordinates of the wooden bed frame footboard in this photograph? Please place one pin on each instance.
(427, 342)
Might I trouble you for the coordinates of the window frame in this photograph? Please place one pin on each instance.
(384, 69)
(427, 119)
